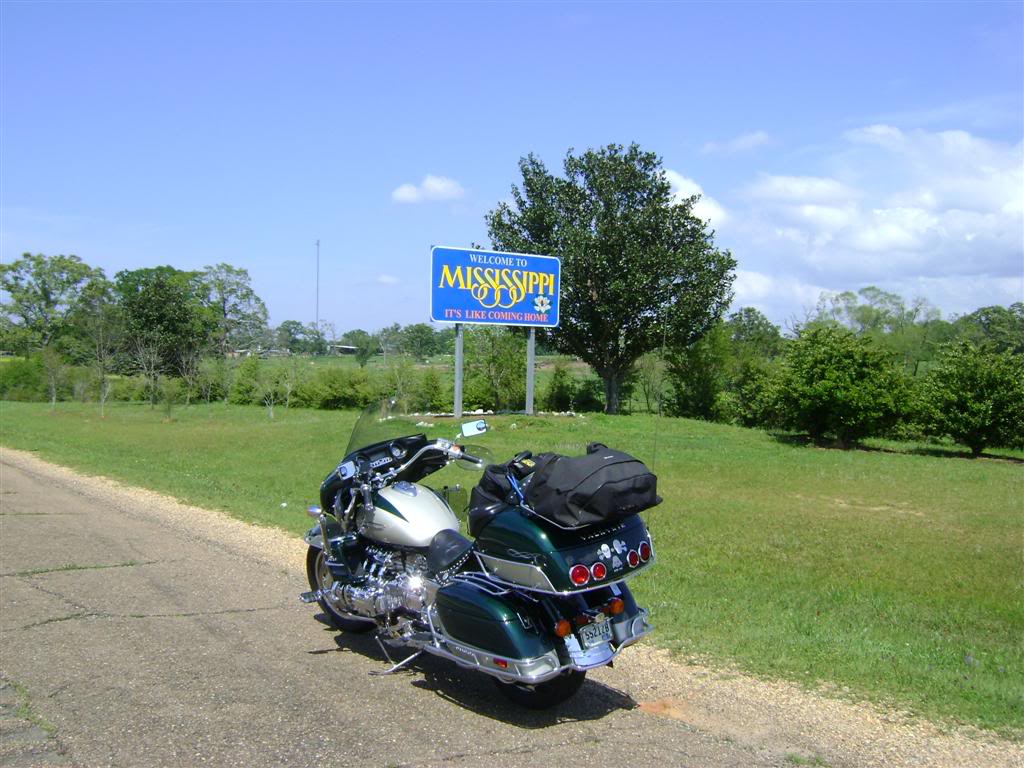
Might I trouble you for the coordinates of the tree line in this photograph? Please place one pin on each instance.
(865, 364)
(643, 300)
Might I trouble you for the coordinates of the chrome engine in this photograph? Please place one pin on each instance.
(394, 586)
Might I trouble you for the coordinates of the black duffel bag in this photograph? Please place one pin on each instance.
(604, 485)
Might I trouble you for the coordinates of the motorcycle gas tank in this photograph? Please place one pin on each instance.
(406, 515)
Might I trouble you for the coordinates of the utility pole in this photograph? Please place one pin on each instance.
(316, 320)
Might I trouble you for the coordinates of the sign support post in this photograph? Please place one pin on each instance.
(530, 341)
(471, 285)
(458, 370)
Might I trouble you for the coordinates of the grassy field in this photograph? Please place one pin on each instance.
(890, 573)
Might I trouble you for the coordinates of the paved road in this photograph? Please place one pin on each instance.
(128, 640)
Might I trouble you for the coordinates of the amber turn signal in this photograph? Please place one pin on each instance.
(615, 606)
(563, 628)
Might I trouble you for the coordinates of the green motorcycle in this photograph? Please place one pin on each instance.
(534, 599)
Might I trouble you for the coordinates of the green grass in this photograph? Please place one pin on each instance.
(892, 573)
(795, 759)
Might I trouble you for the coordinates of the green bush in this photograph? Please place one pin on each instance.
(833, 383)
(698, 376)
(561, 389)
(23, 379)
(79, 384)
(589, 394)
(131, 389)
(430, 393)
(245, 390)
(976, 397)
(756, 390)
(333, 388)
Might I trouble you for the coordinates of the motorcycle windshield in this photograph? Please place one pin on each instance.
(386, 420)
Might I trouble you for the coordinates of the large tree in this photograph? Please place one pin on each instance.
(166, 317)
(418, 341)
(97, 324)
(44, 292)
(241, 314)
(1000, 329)
(638, 267)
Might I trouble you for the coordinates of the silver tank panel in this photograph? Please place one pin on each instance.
(406, 514)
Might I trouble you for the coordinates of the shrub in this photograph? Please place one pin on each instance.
(133, 389)
(23, 379)
(834, 383)
(245, 390)
(756, 390)
(976, 397)
(561, 389)
(333, 388)
(590, 394)
(698, 376)
(430, 393)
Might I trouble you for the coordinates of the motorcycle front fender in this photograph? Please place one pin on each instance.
(315, 539)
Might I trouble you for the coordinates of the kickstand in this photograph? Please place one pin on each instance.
(395, 667)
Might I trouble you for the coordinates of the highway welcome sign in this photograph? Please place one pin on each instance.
(493, 288)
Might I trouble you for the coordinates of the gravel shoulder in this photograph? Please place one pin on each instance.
(684, 714)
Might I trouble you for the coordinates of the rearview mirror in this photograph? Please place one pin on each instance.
(473, 428)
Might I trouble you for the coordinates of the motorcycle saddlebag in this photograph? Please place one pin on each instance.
(604, 485)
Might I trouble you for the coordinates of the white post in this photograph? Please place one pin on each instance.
(458, 371)
(530, 341)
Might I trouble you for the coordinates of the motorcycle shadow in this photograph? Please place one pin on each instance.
(477, 693)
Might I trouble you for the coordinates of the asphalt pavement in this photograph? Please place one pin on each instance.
(129, 640)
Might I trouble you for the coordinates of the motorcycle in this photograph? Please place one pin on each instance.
(532, 602)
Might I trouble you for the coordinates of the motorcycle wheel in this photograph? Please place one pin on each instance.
(320, 578)
(543, 695)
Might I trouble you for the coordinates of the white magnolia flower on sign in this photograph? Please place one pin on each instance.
(541, 304)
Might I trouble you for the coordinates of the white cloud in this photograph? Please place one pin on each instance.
(706, 208)
(937, 214)
(432, 188)
(386, 279)
(743, 143)
(754, 287)
(800, 189)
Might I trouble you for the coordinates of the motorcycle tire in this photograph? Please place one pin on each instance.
(319, 577)
(543, 695)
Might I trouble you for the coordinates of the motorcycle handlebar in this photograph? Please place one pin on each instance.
(472, 458)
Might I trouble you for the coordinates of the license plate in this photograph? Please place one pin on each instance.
(596, 634)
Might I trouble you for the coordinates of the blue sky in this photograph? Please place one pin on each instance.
(836, 145)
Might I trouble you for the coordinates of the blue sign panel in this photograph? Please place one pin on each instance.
(493, 288)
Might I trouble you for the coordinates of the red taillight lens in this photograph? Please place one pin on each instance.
(645, 552)
(563, 628)
(579, 574)
(598, 571)
(501, 663)
(633, 558)
(615, 606)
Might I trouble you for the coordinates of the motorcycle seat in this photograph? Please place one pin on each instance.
(448, 549)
